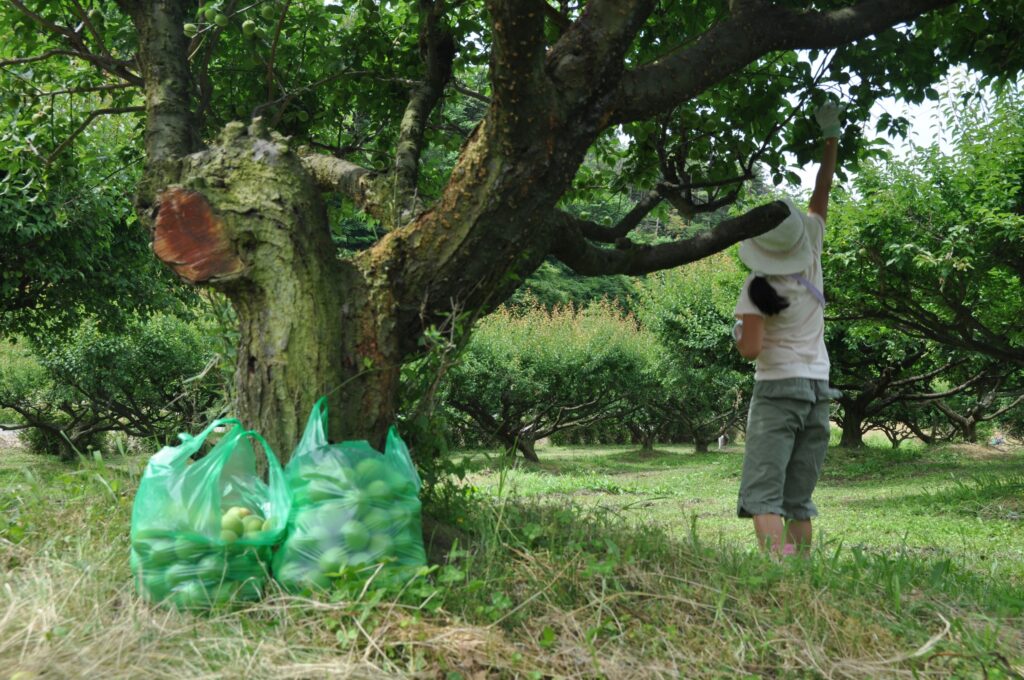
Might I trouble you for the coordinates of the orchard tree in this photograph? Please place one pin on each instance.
(526, 375)
(701, 93)
(878, 369)
(993, 393)
(702, 382)
(934, 245)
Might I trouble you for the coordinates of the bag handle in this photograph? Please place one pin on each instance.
(275, 471)
(315, 434)
(169, 455)
(396, 451)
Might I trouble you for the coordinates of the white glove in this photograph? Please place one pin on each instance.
(737, 330)
(827, 117)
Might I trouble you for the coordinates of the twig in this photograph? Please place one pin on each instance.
(93, 115)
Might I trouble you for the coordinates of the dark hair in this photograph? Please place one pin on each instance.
(765, 297)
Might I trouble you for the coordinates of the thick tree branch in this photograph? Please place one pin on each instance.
(517, 62)
(472, 94)
(602, 234)
(583, 257)
(344, 177)
(1011, 405)
(438, 51)
(271, 73)
(39, 57)
(931, 396)
(87, 88)
(730, 45)
(923, 376)
(171, 130)
(589, 56)
(93, 30)
(163, 53)
(561, 21)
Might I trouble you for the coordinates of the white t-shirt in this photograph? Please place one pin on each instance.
(794, 339)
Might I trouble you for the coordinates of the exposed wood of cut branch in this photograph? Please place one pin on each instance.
(191, 239)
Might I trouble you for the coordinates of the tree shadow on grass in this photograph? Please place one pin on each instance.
(845, 467)
(986, 496)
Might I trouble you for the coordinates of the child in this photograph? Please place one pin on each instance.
(781, 324)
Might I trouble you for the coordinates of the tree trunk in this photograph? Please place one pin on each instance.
(246, 218)
(647, 440)
(526, 446)
(700, 446)
(970, 430)
(642, 436)
(927, 439)
(853, 424)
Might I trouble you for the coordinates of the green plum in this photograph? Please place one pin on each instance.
(360, 559)
(303, 544)
(161, 553)
(400, 515)
(232, 522)
(179, 573)
(380, 546)
(253, 524)
(186, 549)
(149, 534)
(368, 470)
(191, 595)
(377, 520)
(358, 502)
(332, 560)
(379, 491)
(211, 568)
(318, 492)
(323, 534)
(154, 586)
(291, 572)
(355, 534)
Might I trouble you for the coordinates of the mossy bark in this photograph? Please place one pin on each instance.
(309, 323)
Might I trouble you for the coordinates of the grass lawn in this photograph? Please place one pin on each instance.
(962, 502)
(599, 563)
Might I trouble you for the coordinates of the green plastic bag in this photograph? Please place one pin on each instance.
(202, 532)
(351, 507)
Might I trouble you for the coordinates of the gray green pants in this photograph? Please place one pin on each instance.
(786, 440)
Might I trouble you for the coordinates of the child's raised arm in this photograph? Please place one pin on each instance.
(827, 117)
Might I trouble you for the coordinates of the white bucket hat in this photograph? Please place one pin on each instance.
(783, 250)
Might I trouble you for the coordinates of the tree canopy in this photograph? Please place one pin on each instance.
(462, 134)
(934, 244)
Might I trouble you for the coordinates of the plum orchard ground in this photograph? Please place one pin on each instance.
(611, 587)
(962, 501)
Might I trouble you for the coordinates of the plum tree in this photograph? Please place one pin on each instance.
(683, 99)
